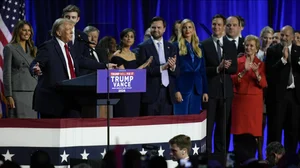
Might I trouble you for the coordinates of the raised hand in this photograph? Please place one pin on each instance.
(254, 67)
(285, 53)
(147, 63)
(172, 62)
(227, 63)
(247, 65)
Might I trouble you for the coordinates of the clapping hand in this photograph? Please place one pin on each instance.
(227, 64)
(147, 63)
(172, 62)
(285, 53)
(254, 67)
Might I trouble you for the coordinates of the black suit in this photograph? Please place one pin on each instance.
(82, 48)
(240, 48)
(156, 93)
(285, 102)
(53, 65)
(216, 80)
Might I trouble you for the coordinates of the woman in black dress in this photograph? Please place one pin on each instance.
(129, 104)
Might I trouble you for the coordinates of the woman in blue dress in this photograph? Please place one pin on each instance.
(191, 85)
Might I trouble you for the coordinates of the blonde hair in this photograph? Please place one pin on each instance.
(194, 41)
(253, 38)
(265, 30)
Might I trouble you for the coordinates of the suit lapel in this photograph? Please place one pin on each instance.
(22, 53)
(155, 53)
(167, 50)
(213, 48)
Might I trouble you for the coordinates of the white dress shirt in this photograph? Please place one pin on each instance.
(62, 46)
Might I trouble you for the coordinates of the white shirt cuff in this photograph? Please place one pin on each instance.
(283, 61)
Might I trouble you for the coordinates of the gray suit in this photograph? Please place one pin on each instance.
(18, 81)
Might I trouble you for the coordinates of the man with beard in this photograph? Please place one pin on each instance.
(283, 70)
(159, 97)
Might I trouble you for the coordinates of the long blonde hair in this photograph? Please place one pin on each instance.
(194, 41)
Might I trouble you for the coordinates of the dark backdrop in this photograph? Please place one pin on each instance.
(112, 16)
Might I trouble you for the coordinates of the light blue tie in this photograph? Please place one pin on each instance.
(162, 60)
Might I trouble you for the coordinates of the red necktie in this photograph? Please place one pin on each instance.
(71, 67)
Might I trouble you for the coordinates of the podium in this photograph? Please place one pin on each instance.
(83, 90)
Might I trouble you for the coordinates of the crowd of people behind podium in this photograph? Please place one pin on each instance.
(255, 77)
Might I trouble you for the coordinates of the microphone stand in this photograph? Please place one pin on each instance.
(107, 108)
(108, 93)
(224, 108)
(224, 123)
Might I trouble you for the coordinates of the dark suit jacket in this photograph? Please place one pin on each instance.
(154, 83)
(278, 73)
(102, 56)
(212, 62)
(241, 47)
(192, 74)
(53, 65)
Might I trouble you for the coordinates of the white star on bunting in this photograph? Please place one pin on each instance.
(103, 153)
(64, 157)
(161, 151)
(195, 149)
(84, 154)
(8, 156)
(143, 152)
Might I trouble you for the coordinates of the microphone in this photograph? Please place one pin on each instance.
(86, 41)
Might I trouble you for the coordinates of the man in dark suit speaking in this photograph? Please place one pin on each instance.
(54, 63)
(160, 93)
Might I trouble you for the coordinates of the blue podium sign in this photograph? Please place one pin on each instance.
(120, 81)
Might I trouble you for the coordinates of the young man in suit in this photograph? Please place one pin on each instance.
(283, 70)
(79, 40)
(221, 62)
(161, 74)
(54, 63)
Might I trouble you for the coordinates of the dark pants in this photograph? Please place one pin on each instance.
(215, 114)
(284, 115)
(162, 106)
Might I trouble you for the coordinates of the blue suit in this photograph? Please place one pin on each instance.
(191, 83)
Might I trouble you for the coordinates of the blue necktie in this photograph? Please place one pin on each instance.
(191, 51)
(162, 60)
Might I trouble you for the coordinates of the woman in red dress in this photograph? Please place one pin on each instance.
(247, 104)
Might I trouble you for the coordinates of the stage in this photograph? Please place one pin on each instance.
(64, 139)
